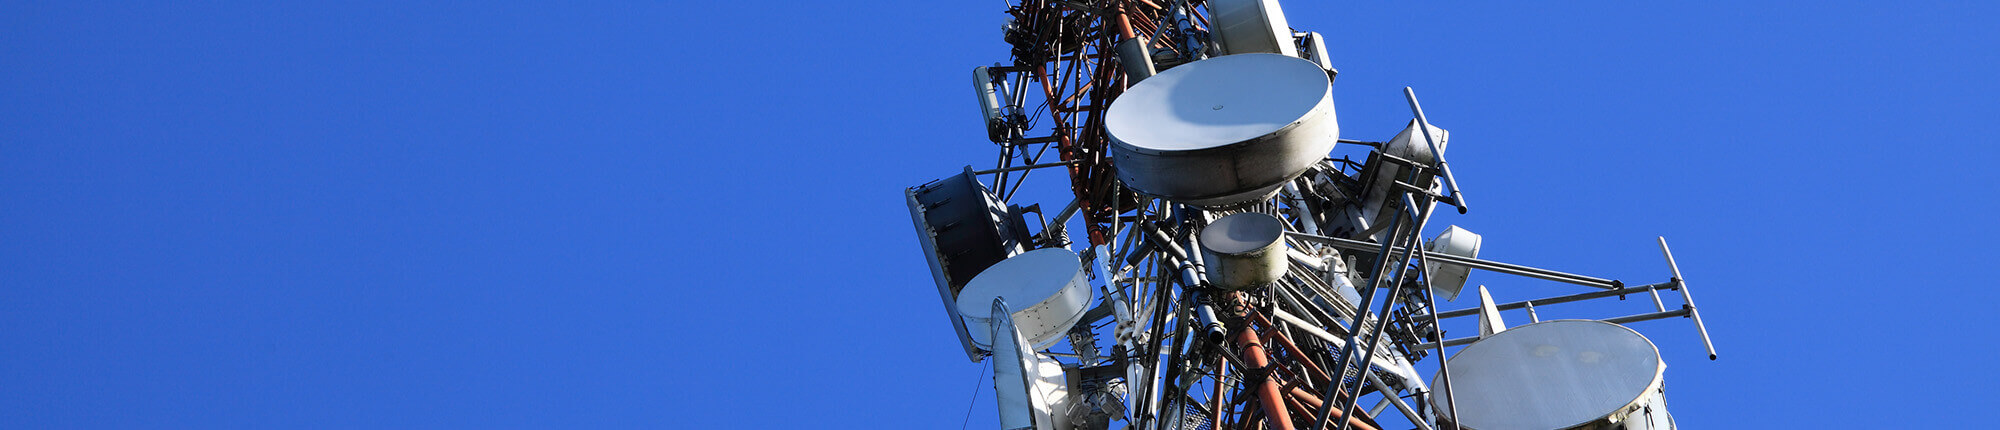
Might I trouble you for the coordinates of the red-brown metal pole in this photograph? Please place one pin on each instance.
(1243, 414)
(1251, 420)
(1267, 390)
(1305, 396)
(1124, 22)
(1311, 400)
(1297, 406)
(1215, 401)
(1297, 354)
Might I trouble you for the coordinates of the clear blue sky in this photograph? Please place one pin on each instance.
(688, 214)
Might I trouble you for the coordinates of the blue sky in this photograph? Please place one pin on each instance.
(688, 214)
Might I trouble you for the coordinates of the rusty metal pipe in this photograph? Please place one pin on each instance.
(1243, 415)
(1253, 421)
(1297, 353)
(1267, 390)
(1314, 369)
(1297, 406)
(1124, 22)
(1311, 400)
(1305, 396)
(1215, 401)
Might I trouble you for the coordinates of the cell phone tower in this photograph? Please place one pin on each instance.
(1232, 273)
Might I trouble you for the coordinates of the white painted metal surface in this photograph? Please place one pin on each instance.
(1380, 206)
(1315, 50)
(1558, 374)
(1248, 26)
(1045, 287)
(1409, 145)
(1223, 130)
(1490, 322)
(1244, 250)
(1029, 388)
(1650, 416)
(1053, 385)
(1448, 279)
(989, 103)
(1013, 364)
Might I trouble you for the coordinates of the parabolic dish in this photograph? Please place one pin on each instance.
(1044, 289)
(1223, 130)
(1554, 374)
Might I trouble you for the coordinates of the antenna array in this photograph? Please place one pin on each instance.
(1232, 273)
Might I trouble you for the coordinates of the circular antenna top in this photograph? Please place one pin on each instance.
(1240, 233)
(1044, 289)
(1217, 102)
(1552, 375)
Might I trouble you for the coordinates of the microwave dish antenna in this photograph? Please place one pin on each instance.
(1223, 130)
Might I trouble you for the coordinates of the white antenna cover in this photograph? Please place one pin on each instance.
(1244, 250)
(1315, 50)
(989, 104)
(1045, 287)
(1223, 130)
(1555, 374)
(1409, 145)
(1447, 280)
(1247, 26)
(1030, 389)
(1490, 322)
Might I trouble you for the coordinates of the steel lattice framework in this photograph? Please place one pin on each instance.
(1349, 321)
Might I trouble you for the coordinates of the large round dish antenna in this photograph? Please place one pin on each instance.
(1558, 374)
(1045, 289)
(1224, 130)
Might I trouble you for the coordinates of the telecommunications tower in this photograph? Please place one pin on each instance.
(1232, 271)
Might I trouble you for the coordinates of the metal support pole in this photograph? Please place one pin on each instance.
(1114, 296)
(1437, 156)
(1299, 209)
(1020, 168)
(1382, 322)
(1215, 398)
(1488, 265)
(1444, 371)
(1314, 401)
(1693, 312)
(1312, 369)
(1062, 216)
(1361, 314)
(1649, 316)
(1559, 299)
(1309, 328)
(1175, 392)
(1267, 390)
(1618, 320)
(1390, 395)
